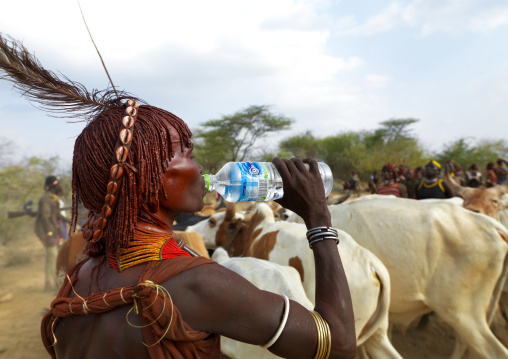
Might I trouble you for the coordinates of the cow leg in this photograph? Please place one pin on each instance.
(472, 329)
(459, 349)
(500, 328)
(378, 346)
(390, 331)
(361, 353)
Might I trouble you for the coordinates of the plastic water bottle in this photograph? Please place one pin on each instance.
(255, 181)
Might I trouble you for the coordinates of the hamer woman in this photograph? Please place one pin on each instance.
(141, 293)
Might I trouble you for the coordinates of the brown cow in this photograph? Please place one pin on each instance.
(482, 199)
(72, 249)
(69, 252)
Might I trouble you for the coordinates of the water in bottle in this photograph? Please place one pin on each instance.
(255, 181)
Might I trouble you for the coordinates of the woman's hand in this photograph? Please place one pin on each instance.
(304, 192)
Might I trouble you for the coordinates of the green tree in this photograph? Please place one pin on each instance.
(6, 149)
(342, 152)
(464, 152)
(392, 142)
(460, 151)
(397, 128)
(233, 137)
(301, 146)
(365, 151)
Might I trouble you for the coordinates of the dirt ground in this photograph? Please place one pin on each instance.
(23, 303)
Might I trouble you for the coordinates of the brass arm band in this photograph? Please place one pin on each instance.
(324, 336)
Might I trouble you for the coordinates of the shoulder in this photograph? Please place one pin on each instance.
(203, 279)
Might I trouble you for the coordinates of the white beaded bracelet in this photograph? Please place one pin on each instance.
(282, 325)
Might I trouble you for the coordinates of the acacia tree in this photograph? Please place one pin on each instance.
(397, 128)
(233, 137)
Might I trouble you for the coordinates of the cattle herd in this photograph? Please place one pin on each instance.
(403, 258)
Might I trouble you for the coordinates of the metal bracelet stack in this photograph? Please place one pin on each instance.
(324, 346)
(318, 234)
(93, 229)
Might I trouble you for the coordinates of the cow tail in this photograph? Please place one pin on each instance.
(377, 319)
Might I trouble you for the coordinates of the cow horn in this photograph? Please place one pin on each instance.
(230, 211)
(456, 188)
(343, 198)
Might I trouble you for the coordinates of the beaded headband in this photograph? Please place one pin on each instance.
(93, 229)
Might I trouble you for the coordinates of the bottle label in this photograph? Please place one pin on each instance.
(254, 181)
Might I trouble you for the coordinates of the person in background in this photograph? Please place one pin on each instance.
(401, 172)
(48, 228)
(354, 182)
(390, 186)
(459, 175)
(373, 182)
(408, 182)
(430, 185)
(473, 177)
(490, 175)
(63, 221)
(418, 174)
(501, 171)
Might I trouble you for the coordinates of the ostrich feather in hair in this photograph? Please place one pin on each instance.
(48, 91)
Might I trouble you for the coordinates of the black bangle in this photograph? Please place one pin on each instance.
(316, 230)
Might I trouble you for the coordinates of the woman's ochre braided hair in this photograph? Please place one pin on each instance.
(95, 164)
(120, 156)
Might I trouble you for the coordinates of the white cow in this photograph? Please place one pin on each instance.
(440, 257)
(268, 276)
(258, 235)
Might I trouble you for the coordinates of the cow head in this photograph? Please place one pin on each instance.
(481, 200)
(221, 228)
(232, 230)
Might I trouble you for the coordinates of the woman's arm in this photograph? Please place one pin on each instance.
(304, 195)
(214, 299)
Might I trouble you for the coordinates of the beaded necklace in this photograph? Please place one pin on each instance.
(145, 247)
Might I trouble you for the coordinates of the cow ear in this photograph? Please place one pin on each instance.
(230, 211)
(505, 238)
(502, 189)
(503, 202)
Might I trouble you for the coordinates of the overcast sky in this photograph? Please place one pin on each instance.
(332, 66)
